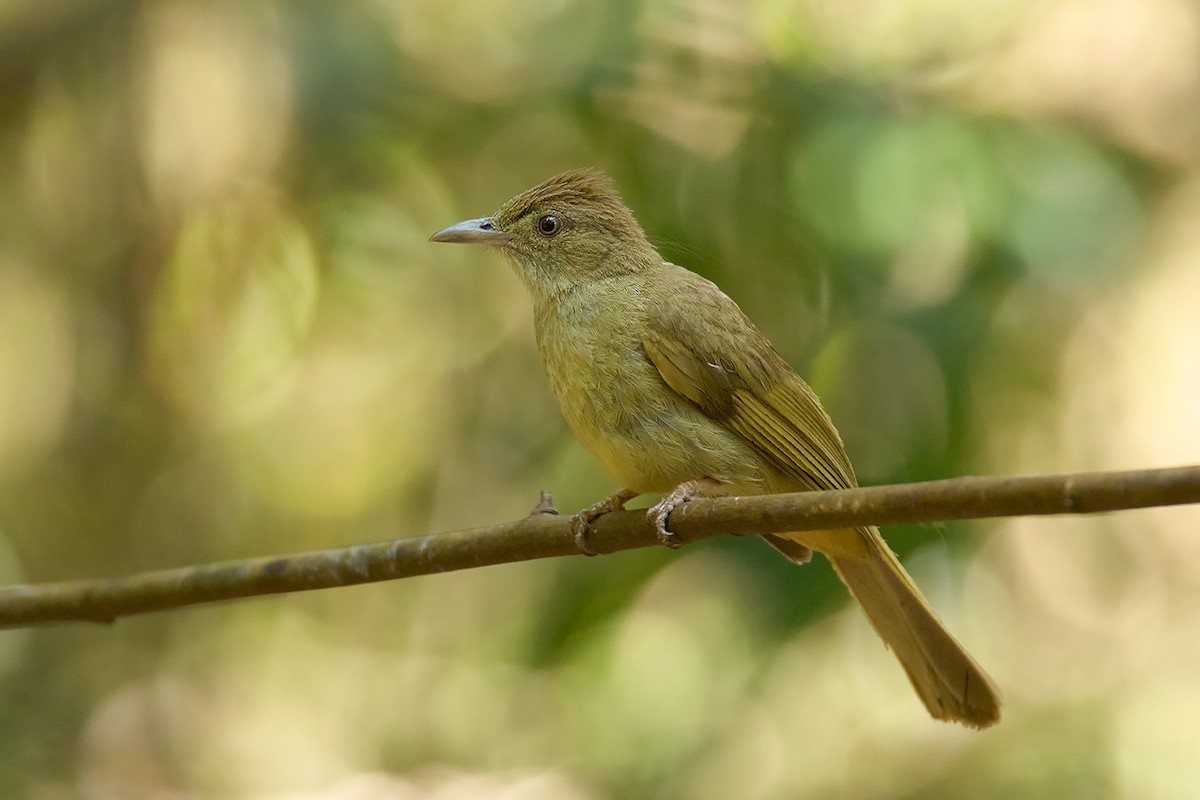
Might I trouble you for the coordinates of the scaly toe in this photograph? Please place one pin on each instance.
(581, 525)
(658, 518)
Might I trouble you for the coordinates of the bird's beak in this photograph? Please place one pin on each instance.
(472, 231)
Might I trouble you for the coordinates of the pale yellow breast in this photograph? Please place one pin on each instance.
(644, 434)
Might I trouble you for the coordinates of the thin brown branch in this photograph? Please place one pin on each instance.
(545, 535)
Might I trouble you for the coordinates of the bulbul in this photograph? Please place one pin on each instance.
(671, 387)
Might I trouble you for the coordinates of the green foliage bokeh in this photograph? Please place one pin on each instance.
(223, 333)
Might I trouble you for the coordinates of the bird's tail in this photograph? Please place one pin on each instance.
(950, 683)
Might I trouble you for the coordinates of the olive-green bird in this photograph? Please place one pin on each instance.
(665, 381)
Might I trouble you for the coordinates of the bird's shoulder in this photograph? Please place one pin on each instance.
(689, 316)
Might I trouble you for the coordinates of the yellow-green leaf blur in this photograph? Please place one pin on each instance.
(973, 225)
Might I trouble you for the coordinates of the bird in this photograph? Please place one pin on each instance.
(674, 391)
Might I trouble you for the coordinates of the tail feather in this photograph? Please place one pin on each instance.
(949, 682)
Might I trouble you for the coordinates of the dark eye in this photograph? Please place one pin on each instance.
(548, 225)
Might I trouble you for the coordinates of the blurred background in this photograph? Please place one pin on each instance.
(974, 225)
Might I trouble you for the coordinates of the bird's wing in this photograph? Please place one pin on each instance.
(710, 353)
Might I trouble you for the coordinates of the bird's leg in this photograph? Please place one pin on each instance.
(581, 523)
(659, 512)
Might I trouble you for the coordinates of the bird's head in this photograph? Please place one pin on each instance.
(568, 230)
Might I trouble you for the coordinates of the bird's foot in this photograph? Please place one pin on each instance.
(581, 523)
(545, 505)
(660, 511)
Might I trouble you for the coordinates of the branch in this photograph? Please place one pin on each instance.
(544, 535)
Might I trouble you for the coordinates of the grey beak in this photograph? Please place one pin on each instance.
(480, 231)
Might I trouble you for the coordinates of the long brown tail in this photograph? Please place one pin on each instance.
(949, 682)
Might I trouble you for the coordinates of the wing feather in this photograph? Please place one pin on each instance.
(711, 354)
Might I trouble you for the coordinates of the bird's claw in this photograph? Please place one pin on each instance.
(658, 514)
(660, 511)
(581, 523)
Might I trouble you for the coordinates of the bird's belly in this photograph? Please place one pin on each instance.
(642, 432)
(651, 439)
(660, 456)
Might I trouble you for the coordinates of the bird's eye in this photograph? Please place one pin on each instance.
(548, 225)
